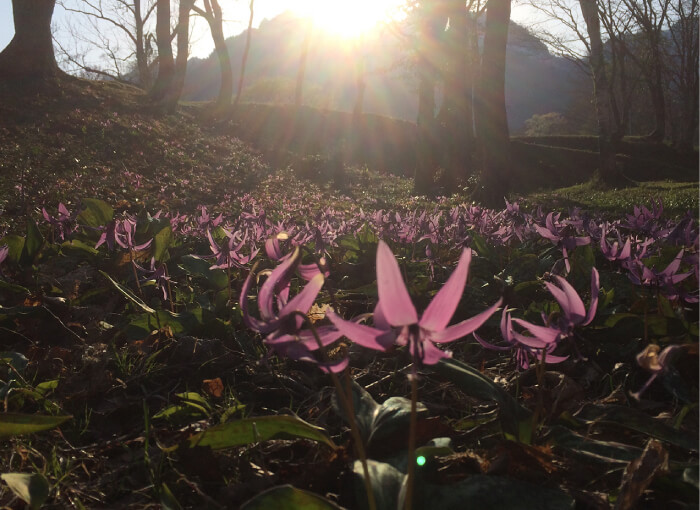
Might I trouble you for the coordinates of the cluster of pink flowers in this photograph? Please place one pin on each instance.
(235, 242)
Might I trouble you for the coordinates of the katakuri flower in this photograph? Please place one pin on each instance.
(396, 319)
(282, 324)
(573, 312)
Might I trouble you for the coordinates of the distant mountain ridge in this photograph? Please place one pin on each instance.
(536, 81)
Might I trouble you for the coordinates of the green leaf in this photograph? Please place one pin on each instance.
(636, 420)
(32, 488)
(194, 398)
(364, 407)
(523, 269)
(193, 406)
(96, 213)
(438, 447)
(488, 493)
(349, 242)
(76, 247)
(286, 497)
(167, 499)
(691, 475)
(46, 387)
(7, 287)
(393, 417)
(602, 451)
(16, 360)
(129, 295)
(180, 413)
(193, 265)
(253, 430)
(15, 424)
(386, 484)
(187, 322)
(514, 418)
(19, 311)
(33, 243)
(15, 244)
(161, 242)
(481, 246)
(378, 422)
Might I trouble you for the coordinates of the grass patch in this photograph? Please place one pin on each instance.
(677, 198)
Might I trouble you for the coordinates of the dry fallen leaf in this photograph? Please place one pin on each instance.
(213, 387)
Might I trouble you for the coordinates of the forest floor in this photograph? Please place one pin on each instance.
(125, 389)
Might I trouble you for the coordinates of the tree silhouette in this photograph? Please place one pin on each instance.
(29, 58)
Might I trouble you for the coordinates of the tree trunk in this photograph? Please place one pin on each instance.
(607, 170)
(244, 60)
(658, 102)
(217, 33)
(166, 62)
(183, 51)
(30, 57)
(456, 112)
(425, 147)
(492, 121)
(141, 56)
(425, 160)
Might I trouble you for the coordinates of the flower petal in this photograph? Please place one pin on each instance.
(489, 346)
(248, 320)
(595, 290)
(379, 318)
(466, 327)
(542, 333)
(302, 302)
(365, 336)
(279, 275)
(440, 310)
(396, 303)
(569, 300)
(326, 334)
(429, 354)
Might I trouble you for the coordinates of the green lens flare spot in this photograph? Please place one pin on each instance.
(420, 460)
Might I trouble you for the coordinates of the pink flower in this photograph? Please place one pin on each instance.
(651, 360)
(396, 319)
(282, 324)
(544, 339)
(573, 312)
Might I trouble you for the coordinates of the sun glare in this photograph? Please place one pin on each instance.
(348, 18)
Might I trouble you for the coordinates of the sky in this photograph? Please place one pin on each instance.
(236, 13)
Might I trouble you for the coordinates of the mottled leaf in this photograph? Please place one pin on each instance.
(253, 430)
(15, 424)
(32, 488)
(286, 497)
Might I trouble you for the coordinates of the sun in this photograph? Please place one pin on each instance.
(349, 19)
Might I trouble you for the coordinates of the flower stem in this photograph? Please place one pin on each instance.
(410, 475)
(170, 290)
(346, 403)
(136, 276)
(540, 370)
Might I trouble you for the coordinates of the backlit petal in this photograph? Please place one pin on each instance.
(595, 289)
(361, 334)
(248, 320)
(466, 327)
(543, 333)
(440, 310)
(396, 303)
(302, 302)
(272, 284)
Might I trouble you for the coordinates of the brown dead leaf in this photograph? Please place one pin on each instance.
(318, 313)
(213, 387)
(640, 473)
